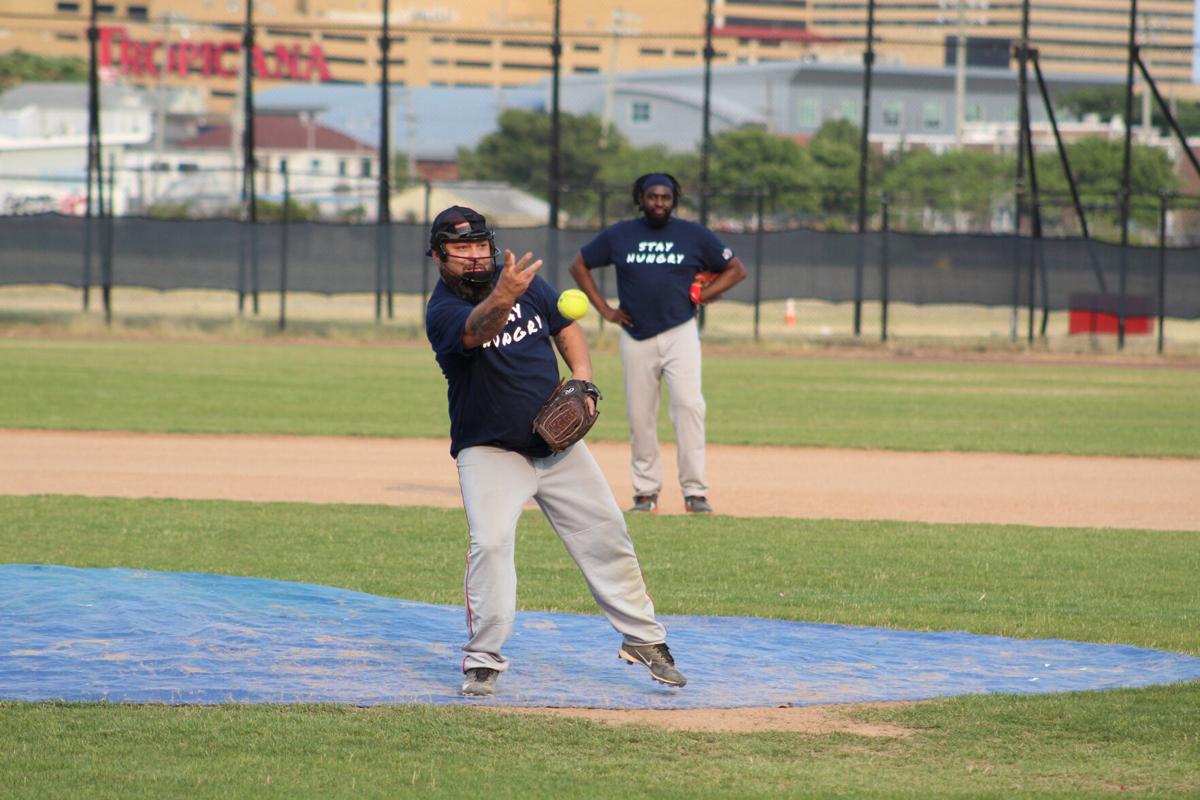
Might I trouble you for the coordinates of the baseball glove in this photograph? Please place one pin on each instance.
(701, 280)
(564, 418)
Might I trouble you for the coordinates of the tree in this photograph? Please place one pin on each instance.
(519, 152)
(19, 66)
(746, 160)
(1097, 165)
(1105, 101)
(1186, 113)
(962, 186)
(835, 155)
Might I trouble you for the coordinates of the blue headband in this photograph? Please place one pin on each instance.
(658, 179)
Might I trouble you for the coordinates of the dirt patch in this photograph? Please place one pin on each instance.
(808, 720)
(808, 483)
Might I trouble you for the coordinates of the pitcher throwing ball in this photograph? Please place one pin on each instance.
(491, 327)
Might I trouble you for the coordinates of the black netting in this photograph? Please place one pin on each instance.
(991, 270)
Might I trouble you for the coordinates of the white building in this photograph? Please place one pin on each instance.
(326, 168)
(44, 137)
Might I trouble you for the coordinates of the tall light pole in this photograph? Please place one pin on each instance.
(556, 59)
(383, 210)
(863, 153)
(249, 162)
(705, 135)
(1126, 168)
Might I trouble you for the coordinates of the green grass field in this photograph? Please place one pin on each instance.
(1135, 587)
(1099, 585)
(398, 391)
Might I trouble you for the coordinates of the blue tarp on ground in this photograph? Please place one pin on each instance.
(135, 636)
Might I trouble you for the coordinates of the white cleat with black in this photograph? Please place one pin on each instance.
(656, 658)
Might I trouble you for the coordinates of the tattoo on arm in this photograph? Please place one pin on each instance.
(484, 323)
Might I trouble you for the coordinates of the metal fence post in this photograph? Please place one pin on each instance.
(603, 272)
(884, 268)
(1162, 266)
(425, 261)
(1123, 278)
(283, 248)
(106, 257)
(1034, 242)
(758, 261)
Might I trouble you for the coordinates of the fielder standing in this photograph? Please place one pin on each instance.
(491, 328)
(657, 259)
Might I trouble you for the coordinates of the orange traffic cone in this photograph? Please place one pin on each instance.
(789, 313)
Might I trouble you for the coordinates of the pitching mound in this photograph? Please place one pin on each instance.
(121, 635)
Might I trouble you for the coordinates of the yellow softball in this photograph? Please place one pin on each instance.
(573, 304)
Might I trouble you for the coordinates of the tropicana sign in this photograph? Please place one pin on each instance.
(156, 57)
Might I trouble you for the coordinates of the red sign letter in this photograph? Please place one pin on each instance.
(285, 62)
(316, 60)
(107, 37)
(260, 63)
(227, 47)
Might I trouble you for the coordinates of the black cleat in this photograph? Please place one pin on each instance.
(655, 657)
(645, 504)
(480, 682)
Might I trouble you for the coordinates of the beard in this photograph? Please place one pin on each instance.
(655, 221)
(475, 290)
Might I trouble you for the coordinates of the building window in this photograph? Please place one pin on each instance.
(473, 64)
(366, 167)
(585, 70)
(973, 113)
(315, 165)
(283, 165)
(639, 112)
(847, 109)
(684, 53)
(931, 115)
(136, 12)
(105, 8)
(806, 113)
(342, 168)
(587, 48)
(67, 8)
(893, 114)
(651, 51)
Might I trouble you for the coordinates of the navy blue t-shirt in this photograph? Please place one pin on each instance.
(655, 268)
(496, 389)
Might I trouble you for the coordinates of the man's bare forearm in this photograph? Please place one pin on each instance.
(573, 347)
(487, 319)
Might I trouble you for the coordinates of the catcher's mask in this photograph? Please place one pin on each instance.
(462, 224)
(649, 180)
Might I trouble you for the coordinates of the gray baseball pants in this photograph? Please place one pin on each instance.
(673, 355)
(573, 494)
